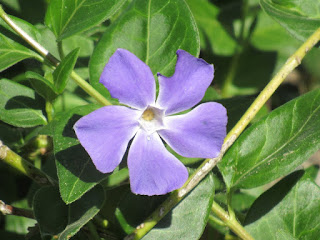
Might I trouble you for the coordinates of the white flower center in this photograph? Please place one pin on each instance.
(151, 119)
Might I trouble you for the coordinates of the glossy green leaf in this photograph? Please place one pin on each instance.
(300, 18)
(37, 76)
(48, 40)
(76, 172)
(19, 105)
(275, 145)
(208, 19)
(62, 72)
(189, 218)
(289, 210)
(153, 31)
(57, 218)
(42, 85)
(12, 49)
(85, 44)
(68, 17)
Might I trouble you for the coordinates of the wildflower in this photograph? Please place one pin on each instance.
(106, 132)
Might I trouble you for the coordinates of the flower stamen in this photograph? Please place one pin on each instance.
(148, 115)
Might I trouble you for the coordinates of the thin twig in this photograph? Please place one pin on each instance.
(6, 209)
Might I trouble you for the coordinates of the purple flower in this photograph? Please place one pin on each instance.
(106, 132)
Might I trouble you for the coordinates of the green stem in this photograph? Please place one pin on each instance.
(103, 223)
(126, 227)
(52, 60)
(231, 212)
(231, 222)
(49, 110)
(60, 50)
(209, 164)
(6, 209)
(23, 166)
(116, 179)
(89, 89)
(216, 220)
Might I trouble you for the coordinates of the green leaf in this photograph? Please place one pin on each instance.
(50, 211)
(189, 218)
(13, 4)
(57, 218)
(68, 17)
(48, 40)
(68, 101)
(37, 76)
(63, 71)
(206, 15)
(153, 31)
(85, 44)
(289, 210)
(300, 18)
(42, 85)
(76, 172)
(269, 35)
(11, 46)
(275, 145)
(19, 105)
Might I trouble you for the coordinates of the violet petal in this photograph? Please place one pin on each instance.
(199, 133)
(105, 134)
(187, 86)
(152, 169)
(129, 79)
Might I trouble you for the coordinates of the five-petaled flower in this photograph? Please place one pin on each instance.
(106, 132)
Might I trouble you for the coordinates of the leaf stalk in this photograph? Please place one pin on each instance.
(23, 166)
(231, 222)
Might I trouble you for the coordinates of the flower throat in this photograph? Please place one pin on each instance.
(148, 115)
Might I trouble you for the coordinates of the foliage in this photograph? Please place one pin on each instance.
(247, 41)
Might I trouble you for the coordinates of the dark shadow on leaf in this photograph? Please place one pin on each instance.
(21, 102)
(33, 11)
(137, 208)
(270, 199)
(12, 36)
(68, 129)
(78, 162)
